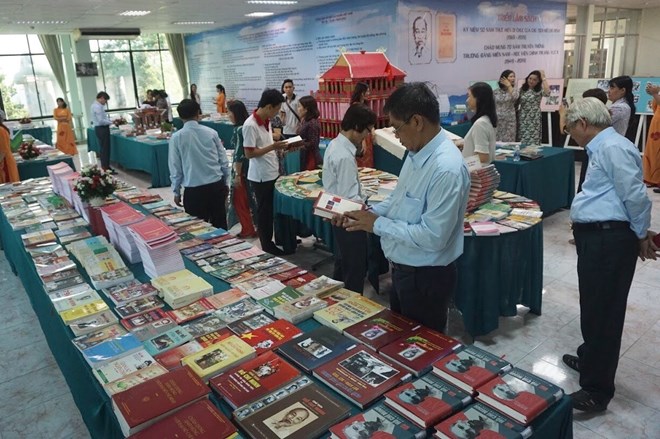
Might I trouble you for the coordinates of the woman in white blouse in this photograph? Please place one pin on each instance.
(623, 103)
(480, 140)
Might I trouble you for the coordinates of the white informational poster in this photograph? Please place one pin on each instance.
(577, 86)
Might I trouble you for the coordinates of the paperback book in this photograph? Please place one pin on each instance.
(251, 323)
(172, 358)
(347, 312)
(271, 336)
(299, 309)
(205, 325)
(110, 350)
(93, 338)
(381, 329)
(134, 378)
(219, 357)
(166, 341)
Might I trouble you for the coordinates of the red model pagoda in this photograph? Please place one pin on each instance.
(337, 84)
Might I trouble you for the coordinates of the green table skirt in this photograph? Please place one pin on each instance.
(45, 134)
(37, 168)
(150, 157)
(550, 180)
(96, 407)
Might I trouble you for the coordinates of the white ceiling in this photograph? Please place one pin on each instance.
(104, 13)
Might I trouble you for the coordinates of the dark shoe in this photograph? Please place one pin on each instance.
(571, 361)
(586, 402)
(274, 250)
(657, 190)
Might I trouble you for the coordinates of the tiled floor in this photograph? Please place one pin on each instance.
(535, 343)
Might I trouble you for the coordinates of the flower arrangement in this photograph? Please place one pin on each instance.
(120, 121)
(28, 150)
(25, 121)
(94, 182)
(166, 127)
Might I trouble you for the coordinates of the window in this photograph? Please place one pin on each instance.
(28, 87)
(128, 68)
(612, 29)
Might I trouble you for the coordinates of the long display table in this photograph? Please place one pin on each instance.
(148, 156)
(43, 133)
(96, 407)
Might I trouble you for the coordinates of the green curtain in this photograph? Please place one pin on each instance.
(178, 52)
(53, 51)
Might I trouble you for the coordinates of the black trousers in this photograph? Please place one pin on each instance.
(208, 203)
(350, 258)
(606, 265)
(265, 193)
(423, 293)
(103, 136)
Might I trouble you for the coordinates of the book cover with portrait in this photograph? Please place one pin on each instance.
(479, 420)
(470, 367)
(381, 329)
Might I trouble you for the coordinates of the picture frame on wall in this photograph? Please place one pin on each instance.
(84, 69)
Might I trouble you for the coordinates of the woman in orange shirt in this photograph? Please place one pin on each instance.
(66, 140)
(8, 168)
(221, 99)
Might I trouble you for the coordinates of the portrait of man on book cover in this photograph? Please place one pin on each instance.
(290, 420)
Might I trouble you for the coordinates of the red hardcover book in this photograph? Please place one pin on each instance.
(381, 329)
(271, 336)
(519, 394)
(253, 379)
(419, 350)
(427, 400)
(360, 375)
(201, 420)
(300, 280)
(207, 340)
(144, 404)
(289, 274)
(142, 319)
(470, 367)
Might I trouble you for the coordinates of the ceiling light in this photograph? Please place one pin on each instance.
(194, 22)
(259, 14)
(134, 13)
(42, 22)
(272, 2)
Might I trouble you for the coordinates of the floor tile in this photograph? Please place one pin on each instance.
(25, 360)
(31, 390)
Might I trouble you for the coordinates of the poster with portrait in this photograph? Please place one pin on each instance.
(420, 48)
(643, 101)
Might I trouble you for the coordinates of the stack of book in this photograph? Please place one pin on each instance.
(102, 262)
(56, 173)
(117, 217)
(347, 312)
(484, 182)
(181, 288)
(219, 357)
(157, 245)
(128, 371)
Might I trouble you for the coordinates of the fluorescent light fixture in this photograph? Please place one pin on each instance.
(272, 2)
(42, 22)
(134, 13)
(193, 22)
(259, 14)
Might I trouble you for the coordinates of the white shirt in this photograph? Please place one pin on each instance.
(481, 138)
(340, 170)
(257, 134)
(99, 116)
(291, 125)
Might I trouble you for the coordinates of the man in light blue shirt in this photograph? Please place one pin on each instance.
(421, 223)
(101, 123)
(198, 162)
(611, 219)
(341, 177)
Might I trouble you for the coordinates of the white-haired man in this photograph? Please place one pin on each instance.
(611, 219)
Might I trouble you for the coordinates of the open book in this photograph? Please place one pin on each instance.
(327, 205)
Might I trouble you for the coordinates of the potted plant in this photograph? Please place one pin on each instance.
(166, 127)
(94, 185)
(28, 150)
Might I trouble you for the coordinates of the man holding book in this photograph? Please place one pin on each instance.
(260, 148)
(421, 223)
(341, 177)
(198, 162)
(611, 218)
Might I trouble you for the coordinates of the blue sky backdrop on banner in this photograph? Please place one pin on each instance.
(447, 43)
(301, 46)
(465, 41)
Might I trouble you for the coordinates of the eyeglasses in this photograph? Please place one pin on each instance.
(569, 126)
(396, 130)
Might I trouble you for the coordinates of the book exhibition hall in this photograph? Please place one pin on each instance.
(310, 219)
